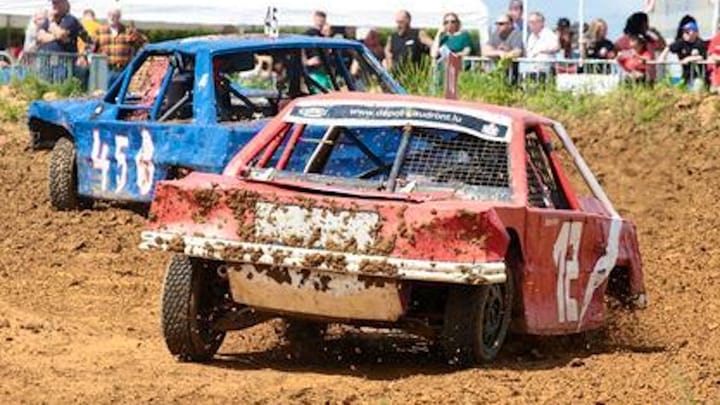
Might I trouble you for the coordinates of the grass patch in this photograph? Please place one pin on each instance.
(34, 88)
(641, 104)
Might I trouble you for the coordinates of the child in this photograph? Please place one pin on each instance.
(634, 61)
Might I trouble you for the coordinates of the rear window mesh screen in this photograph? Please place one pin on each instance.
(448, 157)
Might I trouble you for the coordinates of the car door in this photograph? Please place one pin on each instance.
(162, 122)
(562, 245)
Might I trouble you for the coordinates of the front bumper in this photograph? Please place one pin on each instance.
(327, 261)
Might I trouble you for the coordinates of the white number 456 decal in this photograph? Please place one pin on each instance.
(143, 162)
(565, 254)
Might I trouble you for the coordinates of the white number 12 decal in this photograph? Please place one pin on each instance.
(143, 162)
(565, 254)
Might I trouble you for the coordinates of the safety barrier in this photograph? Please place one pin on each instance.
(596, 76)
(55, 67)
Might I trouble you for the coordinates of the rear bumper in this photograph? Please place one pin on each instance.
(327, 261)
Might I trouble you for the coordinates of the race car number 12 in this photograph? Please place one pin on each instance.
(145, 169)
(565, 254)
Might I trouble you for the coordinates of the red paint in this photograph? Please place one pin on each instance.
(440, 226)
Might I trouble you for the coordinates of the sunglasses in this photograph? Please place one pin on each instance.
(502, 23)
(446, 22)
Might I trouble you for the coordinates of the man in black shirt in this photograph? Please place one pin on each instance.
(319, 21)
(406, 44)
(62, 30)
(690, 49)
(59, 34)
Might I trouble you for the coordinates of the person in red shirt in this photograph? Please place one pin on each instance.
(634, 61)
(639, 24)
(713, 52)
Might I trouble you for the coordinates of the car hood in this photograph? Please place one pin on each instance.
(63, 112)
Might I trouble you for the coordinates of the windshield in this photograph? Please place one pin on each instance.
(254, 84)
(395, 158)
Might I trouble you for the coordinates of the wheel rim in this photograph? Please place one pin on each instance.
(493, 317)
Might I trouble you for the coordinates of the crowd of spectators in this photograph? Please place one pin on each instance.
(637, 51)
(57, 31)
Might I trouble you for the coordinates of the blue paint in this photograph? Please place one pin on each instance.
(108, 148)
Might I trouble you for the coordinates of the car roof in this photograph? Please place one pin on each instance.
(227, 43)
(514, 114)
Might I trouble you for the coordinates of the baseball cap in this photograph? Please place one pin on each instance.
(563, 23)
(502, 18)
(691, 26)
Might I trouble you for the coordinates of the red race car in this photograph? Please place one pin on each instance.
(456, 221)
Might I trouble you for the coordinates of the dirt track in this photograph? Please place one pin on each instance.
(79, 302)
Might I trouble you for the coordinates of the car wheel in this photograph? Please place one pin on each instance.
(476, 322)
(62, 176)
(190, 299)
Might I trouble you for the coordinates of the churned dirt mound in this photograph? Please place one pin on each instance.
(79, 302)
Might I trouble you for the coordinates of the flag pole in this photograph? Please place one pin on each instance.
(525, 23)
(581, 28)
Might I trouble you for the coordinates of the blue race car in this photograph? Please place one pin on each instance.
(187, 105)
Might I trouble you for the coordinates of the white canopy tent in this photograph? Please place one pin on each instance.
(367, 13)
(665, 14)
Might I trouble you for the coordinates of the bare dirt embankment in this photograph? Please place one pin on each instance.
(79, 302)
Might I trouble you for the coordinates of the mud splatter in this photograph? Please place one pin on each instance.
(176, 244)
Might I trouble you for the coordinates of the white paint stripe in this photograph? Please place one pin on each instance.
(499, 119)
(585, 171)
(408, 269)
(383, 123)
(603, 267)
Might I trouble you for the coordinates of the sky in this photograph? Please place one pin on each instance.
(613, 11)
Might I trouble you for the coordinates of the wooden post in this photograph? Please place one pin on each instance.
(453, 67)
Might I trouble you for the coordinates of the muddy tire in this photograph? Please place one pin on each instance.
(476, 322)
(188, 301)
(62, 177)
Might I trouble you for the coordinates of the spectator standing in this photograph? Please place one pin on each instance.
(406, 44)
(91, 25)
(451, 37)
(327, 31)
(313, 61)
(38, 20)
(689, 49)
(565, 37)
(319, 21)
(542, 46)
(638, 24)
(687, 18)
(118, 42)
(635, 60)
(61, 31)
(373, 42)
(714, 58)
(598, 46)
(515, 10)
(505, 42)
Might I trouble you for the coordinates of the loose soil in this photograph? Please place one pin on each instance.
(79, 303)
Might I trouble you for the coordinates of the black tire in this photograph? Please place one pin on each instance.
(476, 322)
(190, 296)
(62, 176)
